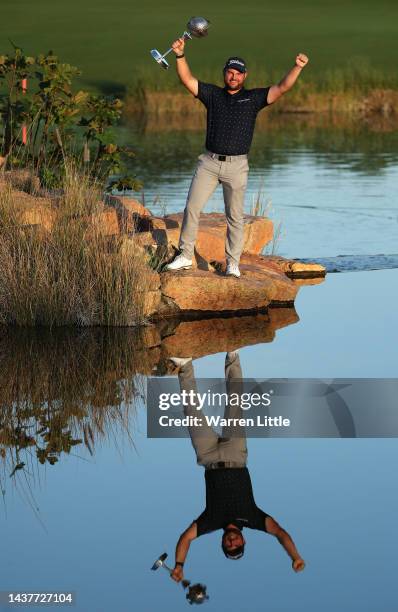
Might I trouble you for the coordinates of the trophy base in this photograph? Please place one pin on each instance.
(159, 58)
(159, 562)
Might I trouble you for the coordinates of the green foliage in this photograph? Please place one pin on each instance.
(125, 183)
(58, 120)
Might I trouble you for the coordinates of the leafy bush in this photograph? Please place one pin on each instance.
(57, 120)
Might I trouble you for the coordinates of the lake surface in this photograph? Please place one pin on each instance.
(89, 502)
(331, 189)
(95, 521)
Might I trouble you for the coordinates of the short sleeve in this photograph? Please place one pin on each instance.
(205, 92)
(260, 96)
(205, 525)
(258, 520)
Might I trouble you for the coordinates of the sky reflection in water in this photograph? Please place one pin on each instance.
(105, 518)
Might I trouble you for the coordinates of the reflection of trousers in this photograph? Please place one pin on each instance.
(209, 447)
(208, 174)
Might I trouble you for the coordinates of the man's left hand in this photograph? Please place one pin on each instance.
(301, 60)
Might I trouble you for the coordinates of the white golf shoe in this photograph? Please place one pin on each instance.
(232, 269)
(179, 263)
(180, 361)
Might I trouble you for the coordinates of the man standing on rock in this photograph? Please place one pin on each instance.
(231, 117)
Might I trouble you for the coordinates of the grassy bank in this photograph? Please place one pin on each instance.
(71, 274)
(305, 99)
(356, 87)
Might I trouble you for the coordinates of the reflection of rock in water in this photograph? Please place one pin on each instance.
(69, 387)
(197, 338)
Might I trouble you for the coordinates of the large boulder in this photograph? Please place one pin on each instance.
(210, 242)
(256, 267)
(131, 213)
(106, 222)
(151, 302)
(23, 179)
(199, 290)
(33, 211)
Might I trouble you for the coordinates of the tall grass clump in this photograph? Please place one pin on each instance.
(263, 208)
(71, 274)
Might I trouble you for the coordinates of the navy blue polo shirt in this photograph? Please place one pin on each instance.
(231, 117)
(229, 499)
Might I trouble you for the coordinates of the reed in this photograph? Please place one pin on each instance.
(342, 89)
(73, 274)
(262, 207)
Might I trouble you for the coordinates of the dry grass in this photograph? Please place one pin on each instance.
(355, 87)
(263, 208)
(73, 274)
(299, 100)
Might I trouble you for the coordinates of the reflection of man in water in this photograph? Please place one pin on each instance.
(230, 504)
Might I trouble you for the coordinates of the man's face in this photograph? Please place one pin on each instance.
(232, 539)
(234, 79)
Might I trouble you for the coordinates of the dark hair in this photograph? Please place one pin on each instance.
(234, 553)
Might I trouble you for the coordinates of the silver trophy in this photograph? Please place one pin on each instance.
(196, 27)
(196, 593)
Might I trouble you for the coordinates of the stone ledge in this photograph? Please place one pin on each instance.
(211, 291)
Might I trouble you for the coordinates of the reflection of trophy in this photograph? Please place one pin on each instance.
(196, 593)
(196, 26)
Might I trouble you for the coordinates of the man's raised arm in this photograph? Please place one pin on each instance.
(286, 541)
(183, 71)
(182, 548)
(276, 91)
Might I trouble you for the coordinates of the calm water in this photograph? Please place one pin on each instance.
(94, 501)
(94, 523)
(333, 191)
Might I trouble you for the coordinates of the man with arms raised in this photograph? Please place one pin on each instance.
(231, 117)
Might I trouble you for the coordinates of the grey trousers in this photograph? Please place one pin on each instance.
(208, 445)
(208, 174)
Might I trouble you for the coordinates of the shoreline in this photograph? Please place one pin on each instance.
(375, 102)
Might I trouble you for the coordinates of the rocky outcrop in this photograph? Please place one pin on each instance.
(294, 268)
(33, 211)
(204, 289)
(200, 290)
(210, 242)
(131, 213)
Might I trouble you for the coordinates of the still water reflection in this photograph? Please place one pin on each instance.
(96, 501)
(230, 504)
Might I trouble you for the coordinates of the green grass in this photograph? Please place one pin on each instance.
(110, 42)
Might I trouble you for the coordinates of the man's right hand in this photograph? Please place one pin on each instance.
(177, 574)
(178, 46)
(298, 565)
